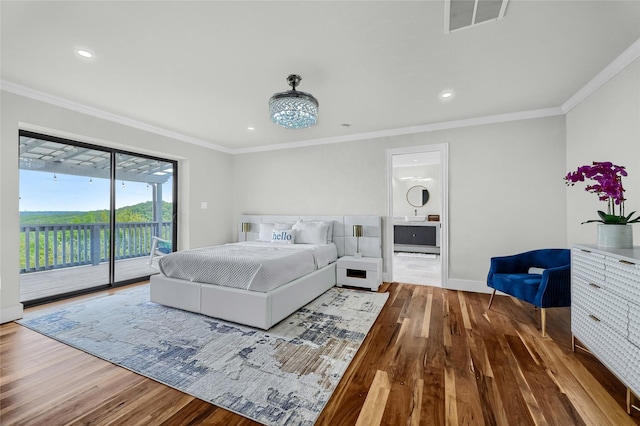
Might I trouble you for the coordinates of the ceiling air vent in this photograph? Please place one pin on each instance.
(460, 14)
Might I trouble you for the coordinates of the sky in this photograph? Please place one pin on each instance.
(40, 192)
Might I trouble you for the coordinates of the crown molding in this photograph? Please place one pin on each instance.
(621, 62)
(446, 125)
(98, 113)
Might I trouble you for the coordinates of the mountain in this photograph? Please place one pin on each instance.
(141, 212)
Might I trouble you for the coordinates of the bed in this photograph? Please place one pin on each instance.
(259, 282)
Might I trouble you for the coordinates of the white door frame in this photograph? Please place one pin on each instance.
(443, 149)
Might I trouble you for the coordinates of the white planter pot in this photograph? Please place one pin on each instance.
(615, 236)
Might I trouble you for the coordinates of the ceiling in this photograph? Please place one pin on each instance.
(205, 70)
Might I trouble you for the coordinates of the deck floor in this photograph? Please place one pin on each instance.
(38, 285)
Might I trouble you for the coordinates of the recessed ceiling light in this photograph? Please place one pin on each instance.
(84, 53)
(251, 128)
(446, 95)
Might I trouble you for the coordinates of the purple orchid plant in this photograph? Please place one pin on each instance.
(608, 187)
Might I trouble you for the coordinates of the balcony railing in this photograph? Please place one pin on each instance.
(45, 247)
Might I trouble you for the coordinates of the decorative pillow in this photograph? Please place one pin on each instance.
(266, 229)
(283, 236)
(314, 232)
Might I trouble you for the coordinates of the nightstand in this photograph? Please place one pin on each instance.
(365, 272)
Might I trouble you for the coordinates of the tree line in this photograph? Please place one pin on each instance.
(141, 212)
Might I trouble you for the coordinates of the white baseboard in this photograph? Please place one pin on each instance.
(468, 285)
(11, 313)
(463, 285)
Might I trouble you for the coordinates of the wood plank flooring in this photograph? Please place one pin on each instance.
(433, 357)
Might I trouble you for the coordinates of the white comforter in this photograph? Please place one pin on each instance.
(256, 266)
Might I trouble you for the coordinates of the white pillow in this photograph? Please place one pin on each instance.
(266, 229)
(283, 236)
(311, 232)
(329, 231)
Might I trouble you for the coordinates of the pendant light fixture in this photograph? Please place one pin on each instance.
(293, 109)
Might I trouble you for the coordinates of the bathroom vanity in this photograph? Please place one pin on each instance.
(415, 236)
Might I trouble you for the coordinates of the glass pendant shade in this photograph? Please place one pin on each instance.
(293, 109)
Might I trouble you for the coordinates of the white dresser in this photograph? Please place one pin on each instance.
(605, 309)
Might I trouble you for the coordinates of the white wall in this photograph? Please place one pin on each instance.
(204, 175)
(605, 127)
(506, 192)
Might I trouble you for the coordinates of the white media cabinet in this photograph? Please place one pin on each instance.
(605, 310)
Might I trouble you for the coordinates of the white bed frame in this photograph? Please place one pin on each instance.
(264, 310)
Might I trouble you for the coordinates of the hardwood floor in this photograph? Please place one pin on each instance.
(433, 357)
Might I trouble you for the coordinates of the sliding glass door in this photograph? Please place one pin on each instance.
(64, 218)
(88, 216)
(144, 210)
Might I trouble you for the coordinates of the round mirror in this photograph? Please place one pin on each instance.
(417, 196)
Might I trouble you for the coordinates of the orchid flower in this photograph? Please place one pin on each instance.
(608, 188)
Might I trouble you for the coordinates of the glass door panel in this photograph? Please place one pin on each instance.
(144, 202)
(64, 218)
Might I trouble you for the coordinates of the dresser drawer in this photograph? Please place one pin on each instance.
(615, 352)
(587, 265)
(634, 324)
(604, 305)
(623, 277)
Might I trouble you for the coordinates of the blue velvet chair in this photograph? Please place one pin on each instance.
(540, 277)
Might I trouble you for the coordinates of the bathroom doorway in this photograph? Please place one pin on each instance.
(416, 231)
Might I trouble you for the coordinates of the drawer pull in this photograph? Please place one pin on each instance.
(585, 251)
(594, 285)
(595, 318)
(626, 262)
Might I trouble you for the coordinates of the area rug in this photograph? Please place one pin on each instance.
(283, 376)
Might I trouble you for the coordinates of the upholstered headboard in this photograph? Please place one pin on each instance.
(370, 242)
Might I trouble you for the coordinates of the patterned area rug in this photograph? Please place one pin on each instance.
(283, 376)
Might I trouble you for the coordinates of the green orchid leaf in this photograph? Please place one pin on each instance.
(611, 219)
(617, 220)
(592, 221)
(636, 220)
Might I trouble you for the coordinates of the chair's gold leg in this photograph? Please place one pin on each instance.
(491, 300)
(629, 397)
(543, 320)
